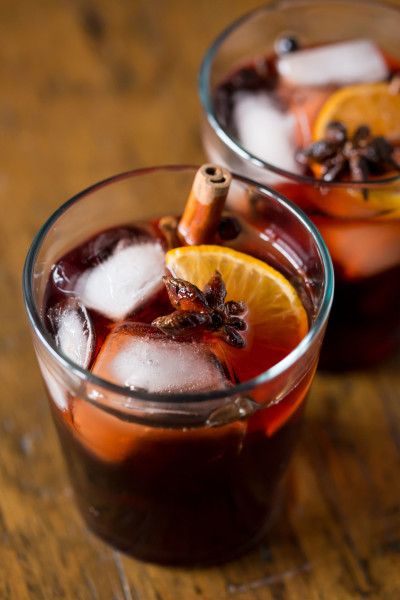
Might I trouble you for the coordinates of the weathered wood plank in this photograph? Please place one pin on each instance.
(89, 89)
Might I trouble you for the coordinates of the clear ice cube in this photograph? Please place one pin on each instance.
(94, 251)
(140, 357)
(356, 61)
(122, 282)
(55, 388)
(265, 130)
(64, 277)
(73, 331)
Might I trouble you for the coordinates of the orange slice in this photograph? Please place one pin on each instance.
(371, 104)
(380, 204)
(375, 105)
(274, 307)
(277, 320)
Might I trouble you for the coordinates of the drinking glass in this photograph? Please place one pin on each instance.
(360, 223)
(186, 478)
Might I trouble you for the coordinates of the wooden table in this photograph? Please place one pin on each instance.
(90, 88)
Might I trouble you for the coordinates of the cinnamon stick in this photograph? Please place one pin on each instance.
(205, 204)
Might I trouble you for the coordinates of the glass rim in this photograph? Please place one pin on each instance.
(183, 397)
(232, 143)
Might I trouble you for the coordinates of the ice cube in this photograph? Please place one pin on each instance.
(73, 331)
(305, 103)
(140, 357)
(94, 251)
(64, 277)
(356, 61)
(124, 280)
(264, 130)
(55, 388)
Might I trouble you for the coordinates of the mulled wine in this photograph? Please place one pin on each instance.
(175, 427)
(319, 120)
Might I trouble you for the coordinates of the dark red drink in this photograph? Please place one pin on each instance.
(199, 496)
(315, 120)
(177, 439)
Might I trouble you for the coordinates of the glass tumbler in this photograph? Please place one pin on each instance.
(186, 478)
(360, 223)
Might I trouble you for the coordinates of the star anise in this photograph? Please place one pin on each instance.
(358, 156)
(205, 310)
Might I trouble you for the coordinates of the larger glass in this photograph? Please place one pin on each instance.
(178, 478)
(360, 223)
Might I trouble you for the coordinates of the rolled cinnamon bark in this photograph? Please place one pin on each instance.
(205, 204)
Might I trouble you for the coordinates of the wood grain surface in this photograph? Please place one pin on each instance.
(93, 87)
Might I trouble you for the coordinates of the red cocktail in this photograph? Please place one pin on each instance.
(315, 112)
(177, 352)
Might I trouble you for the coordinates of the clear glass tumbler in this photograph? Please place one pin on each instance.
(188, 478)
(360, 223)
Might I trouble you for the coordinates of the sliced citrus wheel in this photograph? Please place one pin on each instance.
(276, 318)
(379, 204)
(273, 304)
(371, 104)
(375, 105)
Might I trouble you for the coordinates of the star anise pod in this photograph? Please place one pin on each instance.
(358, 156)
(206, 310)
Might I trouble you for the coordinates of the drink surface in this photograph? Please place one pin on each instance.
(277, 105)
(91, 273)
(279, 108)
(167, 493)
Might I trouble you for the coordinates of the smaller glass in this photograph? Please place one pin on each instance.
(177, 478)
(360, 222)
